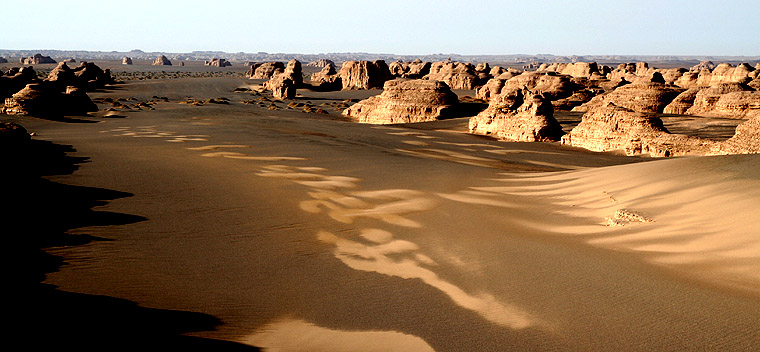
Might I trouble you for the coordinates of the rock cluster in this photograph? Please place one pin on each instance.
(414, 69)
(37, 59)
(405, 101)
(265, 70)
(162, 61)
(217, 62)
(611, 127)
(457, 75)
(15, 79)
(43, 99)
(327, 79)
(363, 74)
(321, 63)
(518, 115)
(643, 96)
(126, 61)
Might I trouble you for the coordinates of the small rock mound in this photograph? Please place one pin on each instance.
(216, 62)
(518, 115)
(405, 101)
(126, 60)
(162, 61)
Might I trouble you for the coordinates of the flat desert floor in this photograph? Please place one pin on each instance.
(294, 231)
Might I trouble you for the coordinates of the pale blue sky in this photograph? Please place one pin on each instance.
(580, 27)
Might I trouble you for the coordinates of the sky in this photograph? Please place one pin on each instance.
(568, 27)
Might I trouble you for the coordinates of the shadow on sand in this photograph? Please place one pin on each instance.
(39, 214)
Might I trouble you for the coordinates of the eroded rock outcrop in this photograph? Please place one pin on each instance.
(126, 60)
(611, 127)
(650, 97)
(282, 86)
(162, 61)
(321, 63)
(746, 139)
(265, 70)
(457, 75)
(326, 79)
(3, 60)
(518, 115)
(44, 99)
(216, 62)
(294, 71)
(405, 101)
(37, 59)
(682, 102)
(16, 79)
(548, 83)
(706, 100)
(364, 74)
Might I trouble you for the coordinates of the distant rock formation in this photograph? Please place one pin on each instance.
(548, 83)
(733, 100)
(70, 60)
(216, 62)
(162, 61)
(576, 69)
(746, 139)
(457, 75)
(265, 70)
(405, 101)
(327, 79)
(3, 60)
(321, 63)
(610, 127)
(37, 59)
(708, 65)
(364, 74)
(282, 86)
(650, 97)
(126, 61)
(413, 70)
(518, 115)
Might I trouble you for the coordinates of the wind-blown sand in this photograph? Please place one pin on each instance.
(308, 232)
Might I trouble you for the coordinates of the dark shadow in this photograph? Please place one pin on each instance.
(464, 109)
(39, 213)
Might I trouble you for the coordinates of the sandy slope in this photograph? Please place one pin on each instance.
(308, 230)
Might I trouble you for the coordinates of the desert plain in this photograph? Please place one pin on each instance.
(216, 217)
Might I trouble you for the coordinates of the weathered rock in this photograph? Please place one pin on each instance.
(321, 63)
(15, 80)
(726, 73)
(282, 86)
(37, 59)
(44, 99)
(294, 71)
(162, 61)
(457, 75)
(709, 65)
(483, 67)
(62, 75)
(327, 79)
(265, 70)
(682, 102)
(576, 69)
(746, 139)
(518, 116)
(688, 80)
(496, 71)
(705, 101)
(126, 61)
(12, 134)
(611, 127)
(76, 102)
(642, 96)
(90, 76)
(3, 60)
(405, 101)
(417, 69)
(216, 62)
(364, 74)
(397, 68)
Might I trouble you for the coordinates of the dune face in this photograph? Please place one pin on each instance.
(518, 116)
(405, 101)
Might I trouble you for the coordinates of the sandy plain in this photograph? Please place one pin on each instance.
(232, 226)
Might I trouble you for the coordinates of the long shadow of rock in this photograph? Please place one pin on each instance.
(38, 214)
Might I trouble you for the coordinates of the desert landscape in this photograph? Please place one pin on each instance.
(356, 201)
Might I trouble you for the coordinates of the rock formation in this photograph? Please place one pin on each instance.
(321, 63)
(363, 74)
(642, 96)
(706, 100)
(265, 70)
(162, 61)
(37, 59)
(3, 60)
(682, 102)
(16, 79)
(43, 99)
(126, 61)
(405, 101)
(282, 86)
(709, 65)
(746, 139)
(576, 69)
(457, 75)
(327, 79)
(217, 62)
(548, 83)
(611, 127)
(294, 72)
(518, 116)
